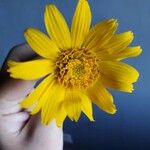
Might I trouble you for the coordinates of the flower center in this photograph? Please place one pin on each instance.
(76, 68)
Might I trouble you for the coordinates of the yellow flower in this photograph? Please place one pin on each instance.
(78, 65)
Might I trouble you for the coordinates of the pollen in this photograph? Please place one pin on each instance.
(76, 68)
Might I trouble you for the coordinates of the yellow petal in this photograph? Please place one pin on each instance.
(41, 43)
(44, 97)
(81, 23)
(119, 71)
(119, 42)
(34, 97)
(50, 107)
(30, 70)
(100, 34)
(129, 52)
(72, 104)
(86, 106)
(115, 84)
(60, 115)
(125, 53)
(11, 63)
(57, 27)
(102, 98)
(38, 106)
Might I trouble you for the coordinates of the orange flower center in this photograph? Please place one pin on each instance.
(76, 68)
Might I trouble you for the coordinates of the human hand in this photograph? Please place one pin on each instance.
(19, 130)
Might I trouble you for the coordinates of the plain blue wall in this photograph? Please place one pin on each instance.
(130, 127)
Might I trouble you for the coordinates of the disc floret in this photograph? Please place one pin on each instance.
(76, 68)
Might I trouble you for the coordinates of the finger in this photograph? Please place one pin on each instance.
(13, 123)
(11, 89)
(7, 104)
(50, 134)
(16, 117)
(21, 52)
(10, 110)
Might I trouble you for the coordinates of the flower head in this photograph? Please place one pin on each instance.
(78, 65)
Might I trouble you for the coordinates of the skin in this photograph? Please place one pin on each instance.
(19, 130)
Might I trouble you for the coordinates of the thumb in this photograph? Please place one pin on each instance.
(13, 89)
(51, 136)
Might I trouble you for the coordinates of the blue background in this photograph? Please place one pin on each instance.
(130, 127)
